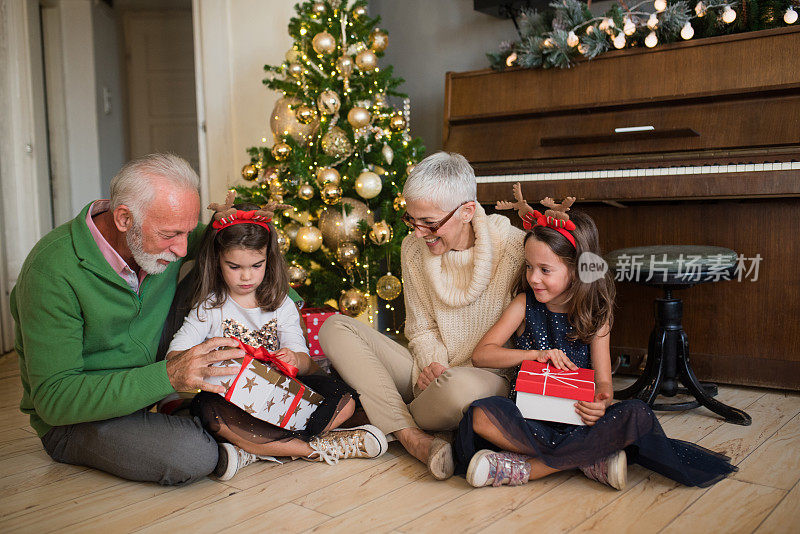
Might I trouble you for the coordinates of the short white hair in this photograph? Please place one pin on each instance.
(444, 178)
(134, 184)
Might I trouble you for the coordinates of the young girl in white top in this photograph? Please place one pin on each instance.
(241, 287)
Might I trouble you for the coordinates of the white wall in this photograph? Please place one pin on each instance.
(234, 39)
(428, 38)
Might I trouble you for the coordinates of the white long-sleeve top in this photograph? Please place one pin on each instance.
(197, 327)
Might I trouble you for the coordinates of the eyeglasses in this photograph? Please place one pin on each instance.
(432, 228)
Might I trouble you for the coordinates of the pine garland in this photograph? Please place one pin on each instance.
(568, 30)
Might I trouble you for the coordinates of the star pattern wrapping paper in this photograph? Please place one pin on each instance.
(263, 391)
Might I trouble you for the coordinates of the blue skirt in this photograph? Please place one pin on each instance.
(630, 425)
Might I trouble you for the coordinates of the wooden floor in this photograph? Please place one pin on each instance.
(395, 494)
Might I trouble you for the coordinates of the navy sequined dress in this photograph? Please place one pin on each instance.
(629, 425)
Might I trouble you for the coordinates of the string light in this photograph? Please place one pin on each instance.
(687, 32)
(790, 17)
(651, 40)
(619, 41)
(700, 9)
(652, 22)
(729, 15)
(629, 27)
(572, 39)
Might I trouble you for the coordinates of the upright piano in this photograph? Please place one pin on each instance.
(695, 142)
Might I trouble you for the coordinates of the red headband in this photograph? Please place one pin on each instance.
(529, 220)
(241, 217)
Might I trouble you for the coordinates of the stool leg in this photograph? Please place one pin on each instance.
(646, 378)
(687, 377)
(649, 393)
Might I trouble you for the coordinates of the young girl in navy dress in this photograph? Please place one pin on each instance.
(556, 317)
(241, 288)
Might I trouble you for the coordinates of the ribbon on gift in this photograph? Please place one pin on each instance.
(558, 375)
(263, 355)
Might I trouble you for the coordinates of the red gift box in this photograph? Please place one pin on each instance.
(549, 394)
(314, 317)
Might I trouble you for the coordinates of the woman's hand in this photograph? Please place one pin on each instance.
(429, 374)
(288, 356)
(590, 412)
(555, 356)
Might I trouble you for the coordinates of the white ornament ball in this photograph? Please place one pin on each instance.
(368, 185)
(358, 117)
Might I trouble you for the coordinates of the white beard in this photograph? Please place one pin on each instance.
(147, 262)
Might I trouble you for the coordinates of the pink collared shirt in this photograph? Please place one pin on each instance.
(112, 256)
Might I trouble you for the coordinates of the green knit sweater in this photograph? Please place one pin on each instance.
(86, 342)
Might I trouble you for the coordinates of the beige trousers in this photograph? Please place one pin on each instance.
(380, 370)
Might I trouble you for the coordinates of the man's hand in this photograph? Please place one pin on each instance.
(429, 374)
(188, 370)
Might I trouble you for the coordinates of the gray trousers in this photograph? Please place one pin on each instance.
(143, 446)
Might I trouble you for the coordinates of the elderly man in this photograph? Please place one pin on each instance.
(89, 306)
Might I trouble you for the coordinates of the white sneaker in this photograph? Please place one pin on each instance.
(489, 468)
(611, 470)
(364, 441)
(231, 459)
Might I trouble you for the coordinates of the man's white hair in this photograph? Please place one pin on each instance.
(446, 179)
(134, 184)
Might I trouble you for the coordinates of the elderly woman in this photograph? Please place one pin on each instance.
(459, 266)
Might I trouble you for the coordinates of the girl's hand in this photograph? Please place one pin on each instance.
(556, 357)
(288, 356)
(590, 412)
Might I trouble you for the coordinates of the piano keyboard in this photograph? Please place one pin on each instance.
(633, 173)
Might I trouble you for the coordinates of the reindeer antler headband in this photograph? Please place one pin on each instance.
(226, 215)
(556, 217)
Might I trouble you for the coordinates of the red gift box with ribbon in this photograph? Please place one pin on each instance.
(314, 317)
(266, 388)
(549, 394)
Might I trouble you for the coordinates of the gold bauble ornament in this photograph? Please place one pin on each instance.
(358, 117)
(249, 172)
(388, 287)
(359, 12)
(295, 69)
(410, 168)
(341, 223)
(345, 65)
(366, 60)
(318, 8)
(329, 102)
(328, 175)
(305, 114)
(293, 56)
(378, 40)
(305, 191)
(283, 240)
(352, 302)
(297, 275)
(331, 193)
(380, 233)
(380, 171)
(283, 121)
(397, 123)
(291, 231)
(347, 253)
(368, 185)
(308, 238)
(336, 144)
(399, 203)
(281, 151)
(387, 153)
(323, 43)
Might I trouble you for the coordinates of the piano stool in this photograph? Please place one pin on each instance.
(671, 268)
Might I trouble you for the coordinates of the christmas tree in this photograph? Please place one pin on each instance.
(340, 158)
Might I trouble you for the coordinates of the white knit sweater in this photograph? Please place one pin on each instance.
(454, 298)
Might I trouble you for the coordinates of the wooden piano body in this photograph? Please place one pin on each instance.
(690, 143)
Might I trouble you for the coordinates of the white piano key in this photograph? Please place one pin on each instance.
(705, 169)
(740, 167)
(749, 167)
(759, 167)
(768, 166)
(795, 165)
(786, 165)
